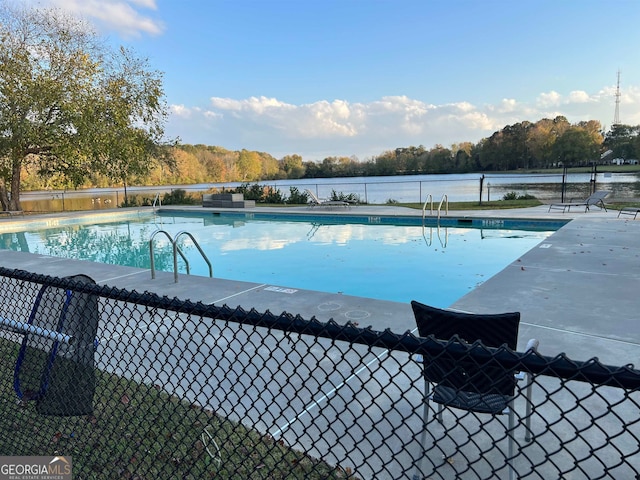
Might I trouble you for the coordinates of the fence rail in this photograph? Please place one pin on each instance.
(176, 389)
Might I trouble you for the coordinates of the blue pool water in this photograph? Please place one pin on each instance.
(367, 257)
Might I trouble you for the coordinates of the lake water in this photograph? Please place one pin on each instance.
(374, 190)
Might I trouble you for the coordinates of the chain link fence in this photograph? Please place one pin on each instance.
(132, 385)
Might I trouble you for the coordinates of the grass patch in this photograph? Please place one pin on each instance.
(621, 205)
(492, 205)
(141, 431)
(570, 170)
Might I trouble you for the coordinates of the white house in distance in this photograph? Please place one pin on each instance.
(617, 161)
(622, 161)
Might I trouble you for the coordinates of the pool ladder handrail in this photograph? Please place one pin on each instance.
(177, 251)
(157, 200)
(444, 200)
(429, 200)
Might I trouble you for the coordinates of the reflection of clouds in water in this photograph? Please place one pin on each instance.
(279, 236)
(343, 234)
(255, 244)
(260, 237)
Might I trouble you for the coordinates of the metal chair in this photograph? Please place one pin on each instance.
(464, 382)
(55, 362)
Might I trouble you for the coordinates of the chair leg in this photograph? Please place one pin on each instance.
(528, 410)
(417, 475)
(510, 435)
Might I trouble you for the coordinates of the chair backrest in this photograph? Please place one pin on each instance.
(60, 376)
(596, 197)
(314, 198)
(493, 330)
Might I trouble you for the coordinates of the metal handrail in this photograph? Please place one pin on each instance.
(158, 200)
(429, 199)
(444, 200)
(175, 250)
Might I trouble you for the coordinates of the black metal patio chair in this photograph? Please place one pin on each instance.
(55, 362)
(462, 381)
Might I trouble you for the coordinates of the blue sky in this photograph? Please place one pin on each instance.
(326, 78)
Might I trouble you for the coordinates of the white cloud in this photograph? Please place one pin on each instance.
(508, 105)
(226, 104)
(122, 16)
(478, 121)
(579, 96)
(210, 114)
(464, 106)
(549, 99)
(181, 111)
(340, 128)
(151, 4)
(319, 119)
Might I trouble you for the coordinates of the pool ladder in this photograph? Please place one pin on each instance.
(444, 201)
(429, 200)
(177, 251)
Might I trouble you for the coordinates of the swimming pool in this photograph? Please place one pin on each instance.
(386, 258)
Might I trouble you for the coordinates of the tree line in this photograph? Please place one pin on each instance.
(547, 143)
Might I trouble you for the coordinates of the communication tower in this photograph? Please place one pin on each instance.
(616, 117)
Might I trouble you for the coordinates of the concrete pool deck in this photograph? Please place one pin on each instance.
(577, 290)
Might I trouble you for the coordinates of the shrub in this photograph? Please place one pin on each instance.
(137, 201)
(178, 197)
(251, 192)
(515, 196)
(260, 193)
(296, 197)
(272, 195)
(342, 197)
(526, 196)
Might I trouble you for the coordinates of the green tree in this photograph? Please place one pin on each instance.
(70, 106)
(386, 164)
(623, 140)
(270, 167)
(292, 166)
(249, 165)
(440, 159)
(540, 140)
(129, 115)
(576, 147)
